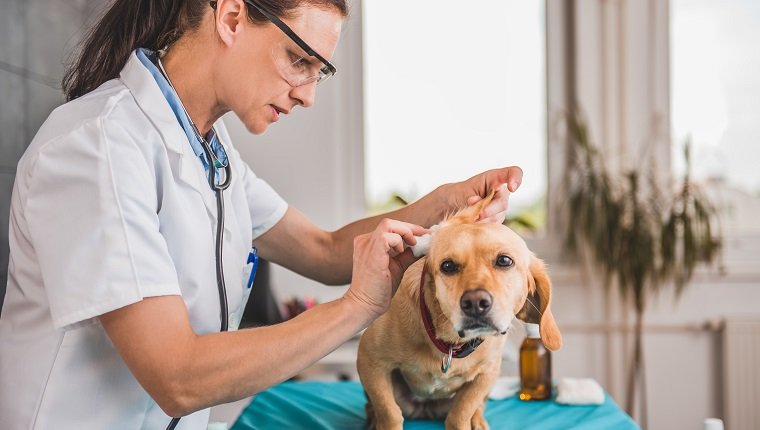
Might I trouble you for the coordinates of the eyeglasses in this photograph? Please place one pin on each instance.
(296, 69)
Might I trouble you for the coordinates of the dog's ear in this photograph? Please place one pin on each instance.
(470, 214)
(540, 286)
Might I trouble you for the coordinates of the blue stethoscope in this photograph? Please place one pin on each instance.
(218, 165)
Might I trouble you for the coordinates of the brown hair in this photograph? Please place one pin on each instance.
(152, 24)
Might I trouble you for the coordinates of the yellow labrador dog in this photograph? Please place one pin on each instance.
(437, 352)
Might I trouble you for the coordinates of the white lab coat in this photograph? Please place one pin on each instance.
(111, 205)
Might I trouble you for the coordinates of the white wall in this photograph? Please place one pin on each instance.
(682, 354)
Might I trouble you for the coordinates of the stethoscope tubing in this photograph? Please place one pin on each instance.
(218, 191)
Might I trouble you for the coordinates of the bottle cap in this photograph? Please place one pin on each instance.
(713, 424)
(532, 331)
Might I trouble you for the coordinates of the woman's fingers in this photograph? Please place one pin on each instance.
(406, 259)
(395, 243)
(504, 181)
(511, 176)
(380, 259)
(480, 185)
(496, 210)
(398, 233)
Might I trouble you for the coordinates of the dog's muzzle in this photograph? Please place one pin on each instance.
(476, 303)
(478, 319)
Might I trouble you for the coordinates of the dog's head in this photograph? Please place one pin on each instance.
(483, 274)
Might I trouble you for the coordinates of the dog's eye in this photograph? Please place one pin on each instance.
(449, 267)
(504, 261)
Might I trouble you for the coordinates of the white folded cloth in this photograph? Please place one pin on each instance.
(579, 391)
(505, 386)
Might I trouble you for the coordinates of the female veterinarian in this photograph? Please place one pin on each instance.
(133, 217)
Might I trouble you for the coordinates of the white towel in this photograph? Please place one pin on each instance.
(505, 386)
(579, 391)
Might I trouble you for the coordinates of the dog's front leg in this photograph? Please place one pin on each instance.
(378, 385)
(467, 411)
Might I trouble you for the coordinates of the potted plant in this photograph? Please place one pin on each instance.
(641, 237)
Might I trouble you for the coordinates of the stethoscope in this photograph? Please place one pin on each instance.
(215, 163)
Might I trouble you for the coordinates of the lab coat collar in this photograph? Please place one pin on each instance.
(148, 59)
(149, 98)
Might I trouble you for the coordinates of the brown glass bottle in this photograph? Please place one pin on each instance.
(535, 367)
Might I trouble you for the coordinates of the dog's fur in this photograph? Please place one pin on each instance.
(398, 364)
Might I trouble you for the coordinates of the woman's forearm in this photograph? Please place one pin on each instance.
(231, 366)
(326, 257)
(185, 372)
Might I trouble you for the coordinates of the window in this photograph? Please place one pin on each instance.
(452, 89)
(715, 88)
(714, 91)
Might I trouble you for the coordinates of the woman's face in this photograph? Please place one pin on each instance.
(254, 84)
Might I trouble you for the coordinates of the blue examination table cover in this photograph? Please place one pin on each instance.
(340, 406)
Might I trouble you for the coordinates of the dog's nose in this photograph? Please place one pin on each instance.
(476, 303)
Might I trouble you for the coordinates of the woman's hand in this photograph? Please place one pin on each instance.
(379, 261)
(505, 181)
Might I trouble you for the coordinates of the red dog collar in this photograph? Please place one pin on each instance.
(458, 350)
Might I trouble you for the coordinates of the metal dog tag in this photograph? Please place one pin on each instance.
(446, 360)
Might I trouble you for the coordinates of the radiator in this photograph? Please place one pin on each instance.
(741, 374)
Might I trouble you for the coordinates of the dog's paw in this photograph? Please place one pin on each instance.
(479, 423)
(475, 424)
(388, 427)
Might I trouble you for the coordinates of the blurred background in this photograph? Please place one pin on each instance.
(429, 92)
